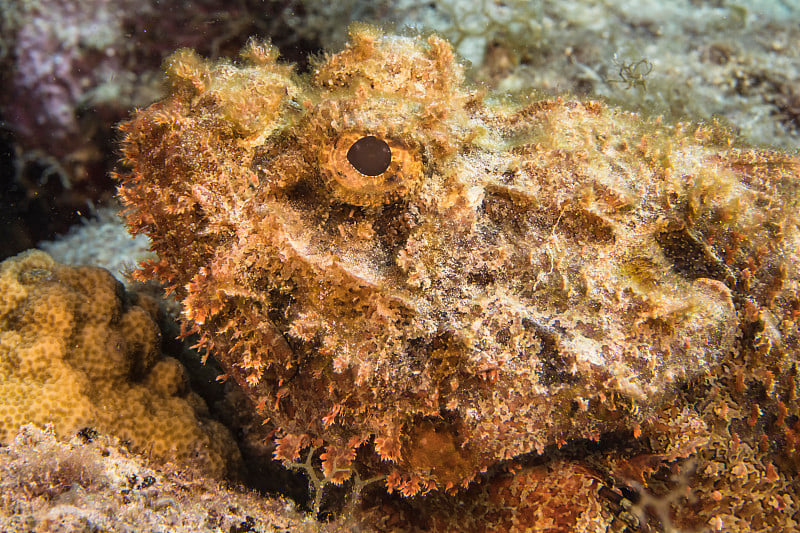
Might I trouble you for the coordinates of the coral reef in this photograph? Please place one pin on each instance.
(68, 73)
(69, 70)
(413, 279)
(70, 59)
(49, 485)
(78, 352)
(729, 59)
(101, 241)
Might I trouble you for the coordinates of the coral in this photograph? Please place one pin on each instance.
(102, 241)
(47, 484)
(518, 276)
(734, 60)
(70, 70)
(65, 62)
(77, 352)
(70, 59)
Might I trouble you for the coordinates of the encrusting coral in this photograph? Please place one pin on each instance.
(391, 261)
(77, 351)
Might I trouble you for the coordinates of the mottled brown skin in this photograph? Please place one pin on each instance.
(558, 498)
(522, 275)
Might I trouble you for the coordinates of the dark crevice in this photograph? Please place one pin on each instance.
(690, 256)
(393, 226)
(554, 366)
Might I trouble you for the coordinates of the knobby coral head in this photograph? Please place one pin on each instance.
(385, 257)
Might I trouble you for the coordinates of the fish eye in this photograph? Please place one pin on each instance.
(361, 168)
(370, 156)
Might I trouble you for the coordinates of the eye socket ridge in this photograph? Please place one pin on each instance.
(370, 155)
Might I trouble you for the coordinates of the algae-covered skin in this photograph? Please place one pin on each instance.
(386, 257)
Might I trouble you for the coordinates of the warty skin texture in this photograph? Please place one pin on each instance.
(523, 274)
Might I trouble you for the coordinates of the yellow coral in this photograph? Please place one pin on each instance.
(75, 353)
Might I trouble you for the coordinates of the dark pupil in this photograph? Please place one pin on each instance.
(370, 155)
